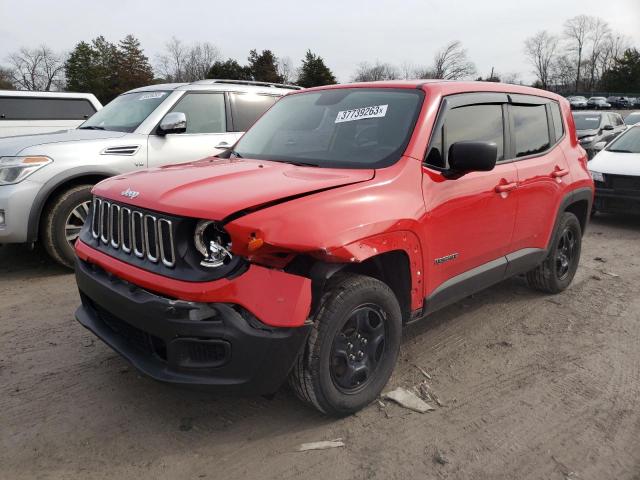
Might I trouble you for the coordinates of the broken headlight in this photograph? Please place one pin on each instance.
(213, 243)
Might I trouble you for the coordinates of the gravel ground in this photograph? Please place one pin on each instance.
(532, 386)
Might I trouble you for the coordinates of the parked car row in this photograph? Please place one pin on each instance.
(595, 129)
(46, 179)
(578, 102)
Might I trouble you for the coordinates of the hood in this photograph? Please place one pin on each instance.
(616, 163)
(216, 188)
(10, 146)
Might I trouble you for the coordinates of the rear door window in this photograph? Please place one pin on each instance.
(34, 108)
(531, 129)
(471, 122)
(246, 108)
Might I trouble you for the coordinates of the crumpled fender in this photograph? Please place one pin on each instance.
(343, 225)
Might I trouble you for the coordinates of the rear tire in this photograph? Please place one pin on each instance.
(353, 347)
(556, 272)
(62, 221)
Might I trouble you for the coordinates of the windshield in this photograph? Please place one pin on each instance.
(339, 128)
(589, 121)
(632, 119)
(628, 142)
(126, 112)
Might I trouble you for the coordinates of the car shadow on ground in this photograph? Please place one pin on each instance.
(623, 221)
(21, 261)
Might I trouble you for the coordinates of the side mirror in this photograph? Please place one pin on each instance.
(174, 122)
(599, 146)
(470, 156)
(607, 127)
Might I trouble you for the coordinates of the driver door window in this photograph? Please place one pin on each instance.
(204, 111)
(206, 133)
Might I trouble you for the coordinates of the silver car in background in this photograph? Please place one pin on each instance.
(46, 180)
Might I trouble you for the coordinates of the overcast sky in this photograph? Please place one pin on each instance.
(344, 32)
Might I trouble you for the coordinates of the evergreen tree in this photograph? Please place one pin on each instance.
(229, 70)
(134, 69)
(624, 76)
(107, 70)
(264, 66)
(80, 69)
(314, 72)
(5, 80)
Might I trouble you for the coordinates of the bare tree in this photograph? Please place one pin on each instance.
(285, 69)
(373, 73)
(199, 59)
(540, 51)
(451, 63)
(171, 65)
(511, 77)
(598, 36)
(576, 31)
(36, 69)
(564, 73)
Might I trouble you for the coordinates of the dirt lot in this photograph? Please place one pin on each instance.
(533, 386)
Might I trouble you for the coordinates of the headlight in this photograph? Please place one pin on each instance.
(16, 169)
(597, 176)
(587, 139)
(213, 243)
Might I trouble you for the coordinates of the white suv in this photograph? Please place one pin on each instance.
(45, 180)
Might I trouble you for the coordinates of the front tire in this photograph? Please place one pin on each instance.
(62, 222)
(353, 347)
(556, 272)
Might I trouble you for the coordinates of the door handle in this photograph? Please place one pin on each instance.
(560, 172)
(506, 187)
(222, 145)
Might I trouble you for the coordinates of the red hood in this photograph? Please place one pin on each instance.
(215, 188)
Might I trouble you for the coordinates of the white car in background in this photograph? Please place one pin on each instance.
(46, 180)
(616, 174)
(26, 113)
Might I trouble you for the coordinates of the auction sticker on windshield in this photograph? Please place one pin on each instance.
(150, 96)
(375, 111)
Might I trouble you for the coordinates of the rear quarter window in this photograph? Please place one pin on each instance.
(246, 108)
(33, 108)
(558, 126)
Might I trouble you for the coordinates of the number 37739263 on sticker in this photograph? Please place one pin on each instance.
(374, 111)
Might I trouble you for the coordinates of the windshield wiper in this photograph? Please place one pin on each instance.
(91, 127)
(298, 164)
(619, 151)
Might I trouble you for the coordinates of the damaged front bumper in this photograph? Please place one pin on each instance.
(215, 344)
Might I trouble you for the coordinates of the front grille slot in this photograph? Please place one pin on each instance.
(133, 231)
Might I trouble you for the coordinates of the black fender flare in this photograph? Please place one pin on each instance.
(51, 186)
(577, 195)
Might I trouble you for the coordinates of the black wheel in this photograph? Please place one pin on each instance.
(353, 347)
(62, 222)
(558, 269)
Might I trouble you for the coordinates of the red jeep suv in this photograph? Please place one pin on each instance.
(343, 214)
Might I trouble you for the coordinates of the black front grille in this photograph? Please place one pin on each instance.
(623, 182)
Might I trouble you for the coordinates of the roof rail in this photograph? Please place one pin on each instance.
(248, 82)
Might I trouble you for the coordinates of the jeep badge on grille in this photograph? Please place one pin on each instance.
(129, 193)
